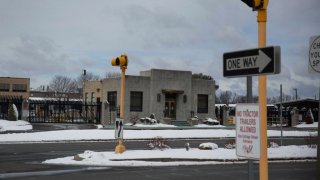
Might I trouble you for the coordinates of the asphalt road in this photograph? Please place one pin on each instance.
(23, 161)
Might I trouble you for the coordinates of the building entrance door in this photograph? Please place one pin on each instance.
(170, 106)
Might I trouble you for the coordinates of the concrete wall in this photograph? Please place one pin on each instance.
(202, 86)
(110, 84)
(141, 84)
(170, 80)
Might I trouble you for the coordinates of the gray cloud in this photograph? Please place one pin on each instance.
(41, 38)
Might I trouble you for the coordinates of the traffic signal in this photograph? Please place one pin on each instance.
(256, 4)
(120, 61)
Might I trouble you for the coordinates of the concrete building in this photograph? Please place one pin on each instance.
(14, 90)
(169, 94)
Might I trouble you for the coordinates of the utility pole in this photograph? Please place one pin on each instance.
(296, 93)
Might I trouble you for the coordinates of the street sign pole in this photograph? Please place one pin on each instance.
(250, 100)
(262, 22)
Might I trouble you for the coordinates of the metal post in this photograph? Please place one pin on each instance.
(296, 93)
(281, 114)
(318, 146)
(249, 89)
(262, 19)
(250, 100)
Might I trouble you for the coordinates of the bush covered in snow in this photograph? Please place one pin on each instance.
(311, 141)
(149, 120)
(231, 144)
(158, 143)
(309, 117)
(134, 118)
(208, 146)
(12, 113)
(273, 145)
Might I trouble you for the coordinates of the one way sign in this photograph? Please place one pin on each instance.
(252, 62)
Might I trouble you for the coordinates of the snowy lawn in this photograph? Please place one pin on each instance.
(304, 125)
(175, 157)
(103, 134)
(19, 125)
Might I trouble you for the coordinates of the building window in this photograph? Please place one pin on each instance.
(19, 88)
(112, 99)
(202, 103)
(136, 101)
(4, 87)
(86, 98)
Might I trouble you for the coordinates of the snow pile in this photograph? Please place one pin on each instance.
(304, 125)
(206, 126)
(175, 157)
(149, 120)
(211, 121)
(207, 146)
(19, 125)
(288, 152)
(154, 125)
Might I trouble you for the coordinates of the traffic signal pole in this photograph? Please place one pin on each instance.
(123, 77)
(262, 88)
(122, 62)
(120, 148)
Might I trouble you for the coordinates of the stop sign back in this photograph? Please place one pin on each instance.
(314, 54)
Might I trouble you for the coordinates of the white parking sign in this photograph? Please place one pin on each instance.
(314, 54)
(118, 133)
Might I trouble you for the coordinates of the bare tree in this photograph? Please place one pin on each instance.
(63, 84)
(201, 76)
(113, 74)
(225, 97)
(88, 76)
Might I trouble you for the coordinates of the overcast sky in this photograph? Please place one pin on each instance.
(43, 38)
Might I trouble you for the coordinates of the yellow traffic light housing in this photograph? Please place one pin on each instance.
(120, 61)
(256, 4)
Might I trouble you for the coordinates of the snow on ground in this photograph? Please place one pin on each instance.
(304, 125)
(19, 125)
(154, 125)
(107, 134)
(175, 157)
(209, 126)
